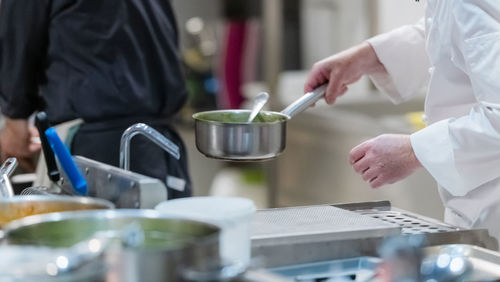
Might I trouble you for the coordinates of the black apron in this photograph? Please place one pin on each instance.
(100, 141)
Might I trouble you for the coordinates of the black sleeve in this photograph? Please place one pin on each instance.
(23, 48)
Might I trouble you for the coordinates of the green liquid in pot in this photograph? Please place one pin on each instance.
(240, 117)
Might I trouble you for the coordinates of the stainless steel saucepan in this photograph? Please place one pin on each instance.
(226, 134)
(163, 248)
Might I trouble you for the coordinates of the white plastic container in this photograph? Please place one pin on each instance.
(233, 215)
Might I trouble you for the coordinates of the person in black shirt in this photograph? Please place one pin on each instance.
(111, 63)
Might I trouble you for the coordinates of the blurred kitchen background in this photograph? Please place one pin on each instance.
(233, 49)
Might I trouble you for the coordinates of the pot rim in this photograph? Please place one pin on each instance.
(100, 214)
(58, 198)
(196, 117)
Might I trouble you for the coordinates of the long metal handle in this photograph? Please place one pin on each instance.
(305, 101)
(8, 166)
(6, 170)
(151, 134)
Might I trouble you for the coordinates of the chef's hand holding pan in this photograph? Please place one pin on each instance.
(381, 160)
(384, 159)
(17, 140)
(343, 69)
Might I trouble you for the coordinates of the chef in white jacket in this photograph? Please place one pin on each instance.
(455, 52)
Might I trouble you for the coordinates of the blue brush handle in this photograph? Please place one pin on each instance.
(66, 161)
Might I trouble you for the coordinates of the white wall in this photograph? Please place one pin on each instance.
(394, 13)
(330, 26)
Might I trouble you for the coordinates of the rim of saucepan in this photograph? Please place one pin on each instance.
(105, 214)
(196, 117)
(108, 214)
(59, 198)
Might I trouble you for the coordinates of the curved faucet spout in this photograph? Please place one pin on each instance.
(153, 135)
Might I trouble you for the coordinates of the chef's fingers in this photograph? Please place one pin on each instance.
(361, 165)
(377, 181)
(34, 147)
(343, 90)
(33, 131)
(330, 94)
(369, 174)
(316, 77)
(357, 153)
(336, 87)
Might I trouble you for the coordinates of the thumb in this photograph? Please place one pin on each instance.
(34, 147)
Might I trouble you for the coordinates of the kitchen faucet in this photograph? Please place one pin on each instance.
(151, 134)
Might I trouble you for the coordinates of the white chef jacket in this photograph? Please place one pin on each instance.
(456, 49)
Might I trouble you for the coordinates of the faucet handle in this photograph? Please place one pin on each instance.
(153, 135)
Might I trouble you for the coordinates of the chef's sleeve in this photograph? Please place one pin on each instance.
(23, 45)
(402, 52)
(463, 153)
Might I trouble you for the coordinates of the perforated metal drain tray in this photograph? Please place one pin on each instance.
(317, 233)
(410, 223)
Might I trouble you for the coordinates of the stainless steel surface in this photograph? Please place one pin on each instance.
(85, 252)
(278, 246)
(352, 269)
(258, 104)
(260, 275)
(482, 264)
(41, 261)
(306, 234)
(6, 190)
(6, 170)
(318, 222)
(241, 141)
(9, 166)
(21, 206)
(41, 190)
(151, 134)
(410, 224)
(455, 262)
(171, 246)
(305, 101)
(123, 188)
(436, 232)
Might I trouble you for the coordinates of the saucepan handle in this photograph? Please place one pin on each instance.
(305, 101)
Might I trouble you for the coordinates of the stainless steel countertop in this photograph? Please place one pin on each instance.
(283, 237)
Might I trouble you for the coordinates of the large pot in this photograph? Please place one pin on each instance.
(225, 134)
(17, 207)
(172, 247)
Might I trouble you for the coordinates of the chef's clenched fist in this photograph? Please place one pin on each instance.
(385, 159)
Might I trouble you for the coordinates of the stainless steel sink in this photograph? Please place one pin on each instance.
(472, 263)
(354, 269)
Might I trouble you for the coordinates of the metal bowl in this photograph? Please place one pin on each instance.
(171, 245)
